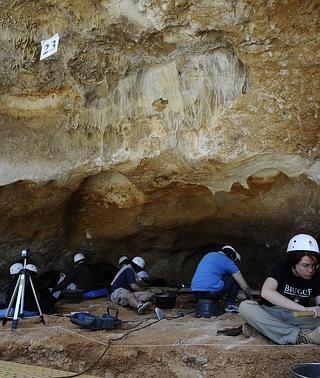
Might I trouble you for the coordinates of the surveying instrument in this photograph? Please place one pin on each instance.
(18, 295)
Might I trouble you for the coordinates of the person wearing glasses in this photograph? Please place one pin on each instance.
(292, 286)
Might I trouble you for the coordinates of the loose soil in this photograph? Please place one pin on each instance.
(179, 347)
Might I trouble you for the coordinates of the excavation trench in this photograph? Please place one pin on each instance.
(184, 346)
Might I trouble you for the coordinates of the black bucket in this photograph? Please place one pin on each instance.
(166, 301)
(73, 296)
(305, 370)
(207, 308)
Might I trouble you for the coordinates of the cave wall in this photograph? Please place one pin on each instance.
(158, 128)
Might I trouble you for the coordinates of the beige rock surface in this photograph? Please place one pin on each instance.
(158, 128)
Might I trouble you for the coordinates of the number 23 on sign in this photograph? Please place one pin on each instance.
(49, 46)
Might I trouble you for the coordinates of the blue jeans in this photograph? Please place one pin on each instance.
(230, 289)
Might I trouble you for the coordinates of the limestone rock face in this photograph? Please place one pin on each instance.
(157, 129)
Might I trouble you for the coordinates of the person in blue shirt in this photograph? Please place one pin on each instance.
(218, 275)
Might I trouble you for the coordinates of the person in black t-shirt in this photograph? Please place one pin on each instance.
(80, 277)
(292, 286)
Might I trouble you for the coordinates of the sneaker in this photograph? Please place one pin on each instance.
(142, 307)
(232, 308)
(309, 336)
(248, 330)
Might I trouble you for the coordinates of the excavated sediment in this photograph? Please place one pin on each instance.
(185, 346)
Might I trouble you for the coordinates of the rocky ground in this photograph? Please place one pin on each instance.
(180, 347)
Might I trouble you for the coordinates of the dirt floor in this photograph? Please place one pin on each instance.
(180, 347)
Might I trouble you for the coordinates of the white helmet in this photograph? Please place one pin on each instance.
(142, 276)
(15, 268)
(78, 257)
(236, 256)
(303, 242)
(32, 268)
(139, 261)
(229, 247)
(122, 259)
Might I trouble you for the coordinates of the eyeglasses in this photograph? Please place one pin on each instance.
(309, 266)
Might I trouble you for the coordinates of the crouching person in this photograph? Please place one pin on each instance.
(80, 277)
(289, 288)
(218, 275)
(124, 288)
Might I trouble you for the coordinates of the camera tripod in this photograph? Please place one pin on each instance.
(18, 297)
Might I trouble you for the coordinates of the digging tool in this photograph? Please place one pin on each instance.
(303, 314)
(230, 331)
(169, 290)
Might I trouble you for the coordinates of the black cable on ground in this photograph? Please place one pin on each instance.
(181, 315)
(133, 329)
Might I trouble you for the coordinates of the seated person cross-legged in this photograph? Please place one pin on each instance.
(217, 275)
(288, 290)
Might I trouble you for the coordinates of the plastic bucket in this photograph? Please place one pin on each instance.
(165, 301)
(305, 370)
(207, 308)
(73, 296)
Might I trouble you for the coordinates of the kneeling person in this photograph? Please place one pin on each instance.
(126, 292)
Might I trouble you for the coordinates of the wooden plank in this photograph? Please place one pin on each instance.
(16, 370)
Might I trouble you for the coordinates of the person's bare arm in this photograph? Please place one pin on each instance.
(269, 292)
(135, 287)
(242, 283)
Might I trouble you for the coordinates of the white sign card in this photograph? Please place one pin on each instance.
(49, 46)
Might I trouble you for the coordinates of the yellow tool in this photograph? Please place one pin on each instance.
(303, 314)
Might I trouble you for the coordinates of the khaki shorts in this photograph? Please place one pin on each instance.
(117, 296)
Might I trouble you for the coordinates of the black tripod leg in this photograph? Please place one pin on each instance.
(42, 319)
(14, 323)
